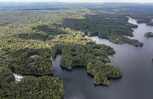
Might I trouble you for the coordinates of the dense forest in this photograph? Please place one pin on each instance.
(29, 38)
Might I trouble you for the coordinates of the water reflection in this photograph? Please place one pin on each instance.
(132, 21)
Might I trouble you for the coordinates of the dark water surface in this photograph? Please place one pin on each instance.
(134, 62)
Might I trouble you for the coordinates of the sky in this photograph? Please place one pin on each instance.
(83, 1)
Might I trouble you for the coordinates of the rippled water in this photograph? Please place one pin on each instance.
(134, 62)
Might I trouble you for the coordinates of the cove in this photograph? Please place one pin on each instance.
(134, 62)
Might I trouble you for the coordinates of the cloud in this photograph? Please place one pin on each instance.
(138, 1)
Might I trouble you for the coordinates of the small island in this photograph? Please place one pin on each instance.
(149, 35)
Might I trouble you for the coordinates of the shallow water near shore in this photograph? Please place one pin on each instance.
(134, 62)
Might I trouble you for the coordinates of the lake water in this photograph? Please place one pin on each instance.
(135, 63)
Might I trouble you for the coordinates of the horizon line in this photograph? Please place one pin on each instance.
(72, 2)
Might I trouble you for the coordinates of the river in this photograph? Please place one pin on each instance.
(134, 62)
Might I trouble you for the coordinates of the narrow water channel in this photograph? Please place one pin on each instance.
(134, 62)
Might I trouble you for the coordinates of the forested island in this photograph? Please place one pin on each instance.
(149, 35)
(76, 51)
(29, 38)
